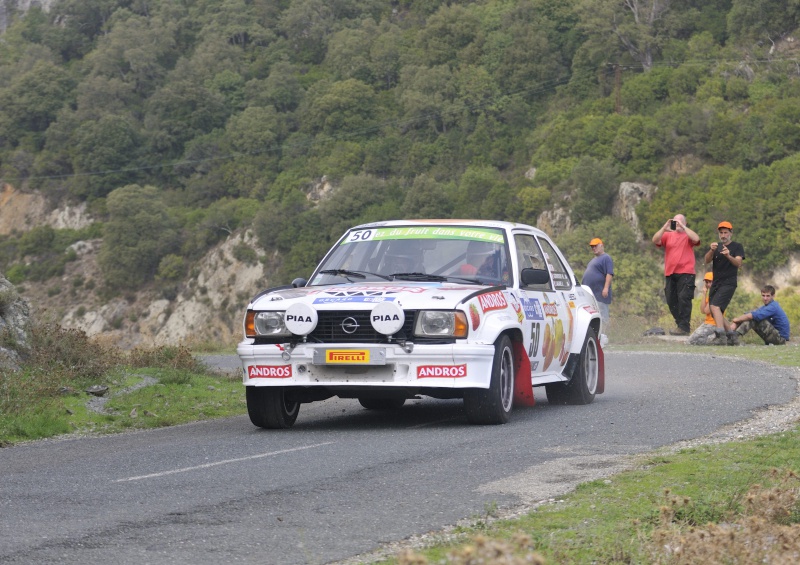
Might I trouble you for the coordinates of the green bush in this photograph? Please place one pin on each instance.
(171, 268)
(16, 274)
(246, 254)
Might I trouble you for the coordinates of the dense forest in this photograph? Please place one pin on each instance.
(180, 122)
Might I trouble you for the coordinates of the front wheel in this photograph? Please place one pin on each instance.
(582, 388)
(269, 408)
(493, 405)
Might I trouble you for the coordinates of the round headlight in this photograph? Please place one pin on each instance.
(269, 323)
(436, 323)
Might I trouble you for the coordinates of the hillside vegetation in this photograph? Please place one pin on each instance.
(181, 122)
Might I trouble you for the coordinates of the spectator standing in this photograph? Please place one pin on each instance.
(769, 321)
(704, 334)
(597, 277)
(678, 242)
(726, 256)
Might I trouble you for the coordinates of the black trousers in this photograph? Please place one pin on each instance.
(679, 291)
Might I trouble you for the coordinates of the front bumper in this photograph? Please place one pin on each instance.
(380, 366)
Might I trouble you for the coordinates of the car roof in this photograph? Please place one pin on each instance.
(473, 223)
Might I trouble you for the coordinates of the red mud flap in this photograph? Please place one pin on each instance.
(523, 389)
(601, 369)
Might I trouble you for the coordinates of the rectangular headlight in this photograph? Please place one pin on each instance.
(441, 323)
(265, 324)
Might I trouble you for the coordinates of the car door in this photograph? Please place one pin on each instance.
(559, 309)
(529, 255)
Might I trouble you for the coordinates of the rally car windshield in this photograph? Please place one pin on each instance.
(419, 253)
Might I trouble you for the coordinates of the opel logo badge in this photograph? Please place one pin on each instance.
(349, 325)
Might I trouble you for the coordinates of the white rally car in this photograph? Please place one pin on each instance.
(478, 310)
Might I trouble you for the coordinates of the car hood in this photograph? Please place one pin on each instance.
(364, 296)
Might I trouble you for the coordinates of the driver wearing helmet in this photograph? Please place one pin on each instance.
(402, 259)
(481, 260)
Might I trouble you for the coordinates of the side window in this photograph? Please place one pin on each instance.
(558, 272)
(529, 256)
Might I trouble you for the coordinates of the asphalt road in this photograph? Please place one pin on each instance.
(345, 480)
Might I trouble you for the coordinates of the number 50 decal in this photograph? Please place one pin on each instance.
(533, 348)
(361, 235)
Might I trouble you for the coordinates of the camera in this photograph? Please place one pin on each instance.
(673, 225)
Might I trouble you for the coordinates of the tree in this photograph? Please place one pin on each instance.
(346, 106)
(427, 199)
(427, 96)
(179, 111)
(348, 53)
(307, 25)
(105, 156)
(280, 89)
(446, 33)
(138, 234)
(32, 100)
(593, 185)
(754, 20)
(637, 25)
(136, 49)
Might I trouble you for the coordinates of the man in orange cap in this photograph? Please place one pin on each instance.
(705, 334)
(726, 256)
(678, 242)
(597, 277)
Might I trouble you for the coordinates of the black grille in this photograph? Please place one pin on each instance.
(330, 328)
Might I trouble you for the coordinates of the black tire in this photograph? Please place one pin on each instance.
(268, 407)
(382, 403)
(582, 388)
(557, 393)
(494, 405)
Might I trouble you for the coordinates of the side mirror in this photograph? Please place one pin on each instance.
(299, 281)
(535, 276)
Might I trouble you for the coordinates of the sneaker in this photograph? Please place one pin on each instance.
(678, 331)
(733, 338)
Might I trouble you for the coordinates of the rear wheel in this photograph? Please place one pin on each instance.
(493, 405)
(382, 403)
(583, 386)
(269, 408)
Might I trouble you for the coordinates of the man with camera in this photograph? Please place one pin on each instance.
(678, 242)
(726, 257)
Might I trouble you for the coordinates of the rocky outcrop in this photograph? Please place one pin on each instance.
(206, 307)
(558, 220)
(22, 211)
(224, 284)
(320, 190)
(629, 196)
(554, 221)
(14, 321)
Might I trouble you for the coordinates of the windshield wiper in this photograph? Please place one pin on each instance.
(418, 277)
(467, 279)
(347, 274)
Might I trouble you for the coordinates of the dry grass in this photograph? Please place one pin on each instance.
(484, 550)
(766, 531)
(168, 357)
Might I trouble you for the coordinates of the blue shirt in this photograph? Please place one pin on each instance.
(595, 276)
(773, 313)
